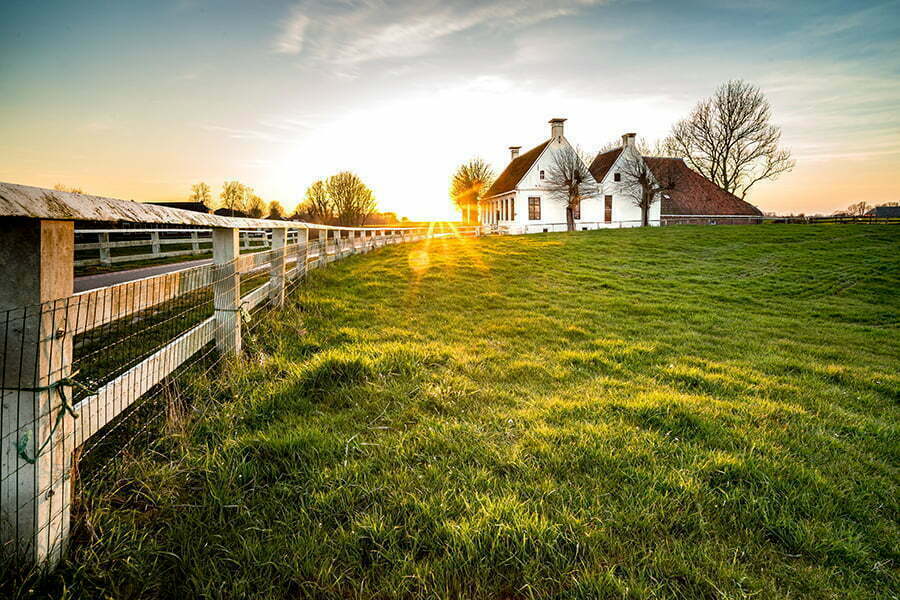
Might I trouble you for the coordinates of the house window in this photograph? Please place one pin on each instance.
(617, 177)
(542, 174)
(607, 209)
(512, 209)
(576, 210)
(534, 209)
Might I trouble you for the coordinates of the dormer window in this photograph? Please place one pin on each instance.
(617, 177)
(542, 174)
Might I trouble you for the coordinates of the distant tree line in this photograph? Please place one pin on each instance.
(342, 199)
(858, 209)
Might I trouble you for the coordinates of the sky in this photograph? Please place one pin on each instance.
(138, 100)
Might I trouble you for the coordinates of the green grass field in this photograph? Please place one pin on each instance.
(685, 412)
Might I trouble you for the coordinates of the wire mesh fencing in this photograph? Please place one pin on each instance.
(84, 377)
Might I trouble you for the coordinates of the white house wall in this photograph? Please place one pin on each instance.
(553, 212)
(624, 209)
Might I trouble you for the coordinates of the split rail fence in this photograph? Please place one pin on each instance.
(74, 367)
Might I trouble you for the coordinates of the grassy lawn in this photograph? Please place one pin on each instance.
(695, 412)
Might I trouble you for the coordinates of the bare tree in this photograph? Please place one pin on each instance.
(256, 207)
(567, 180)
(729, 140)
(316, 206)
(234, 196)
(276, 210)
(469, 183)
(645, 180)
(858, 209)
(200, 192)
(353, 202)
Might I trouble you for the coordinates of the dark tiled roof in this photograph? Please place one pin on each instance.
(227, 212)
(603, 162)
(884, 211)
(694, 193)
(515, 171)
(194, 206)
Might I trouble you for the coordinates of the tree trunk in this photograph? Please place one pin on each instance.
(570, 219)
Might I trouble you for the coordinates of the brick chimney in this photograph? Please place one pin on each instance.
(514, 152)
(628, 139)
(556, 127)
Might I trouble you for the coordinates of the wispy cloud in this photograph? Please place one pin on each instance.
(830, 25)
(359, 32)
(293, 30)
(279, 129)
(259, 135)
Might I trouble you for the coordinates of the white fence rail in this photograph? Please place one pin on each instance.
(72, 364)
(112, 246)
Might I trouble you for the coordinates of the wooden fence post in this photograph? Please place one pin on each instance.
(227, 289)
(195, 242)
(103, 238)
(302, 251)
(154, 242)
(276, 275)
(37, 255)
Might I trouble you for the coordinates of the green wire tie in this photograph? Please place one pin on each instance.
(65, 407)
(245, 313)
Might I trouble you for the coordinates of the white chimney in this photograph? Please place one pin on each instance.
(556, 127)
(514, 152)
(628, 139)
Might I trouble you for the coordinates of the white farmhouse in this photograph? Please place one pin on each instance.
(520, 202)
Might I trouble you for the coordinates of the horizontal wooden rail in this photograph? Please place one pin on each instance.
(199, 240)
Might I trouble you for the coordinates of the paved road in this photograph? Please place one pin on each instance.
(90, 282)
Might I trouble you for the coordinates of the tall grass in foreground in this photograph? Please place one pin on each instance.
(677, 412)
